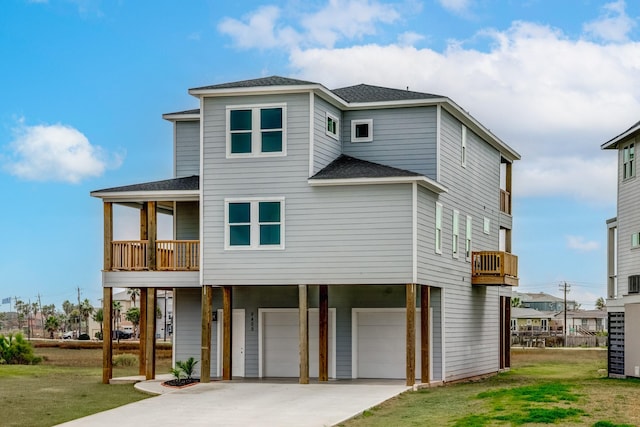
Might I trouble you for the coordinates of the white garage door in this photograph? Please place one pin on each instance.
(279, 343)
(379, 343)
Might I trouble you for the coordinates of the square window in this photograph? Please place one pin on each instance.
(254, 131)
(362, 130)
(254, 224)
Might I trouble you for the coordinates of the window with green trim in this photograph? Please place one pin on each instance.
(258, 130)
(254, 224)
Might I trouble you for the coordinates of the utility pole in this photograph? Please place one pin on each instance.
(565, 287)
(79, 314)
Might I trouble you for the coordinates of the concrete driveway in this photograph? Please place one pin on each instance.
(244, 403)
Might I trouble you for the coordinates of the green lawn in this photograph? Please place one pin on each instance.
(66, 386)
(550, 386)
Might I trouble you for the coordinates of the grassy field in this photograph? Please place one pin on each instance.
(65, 386)
(547, 386)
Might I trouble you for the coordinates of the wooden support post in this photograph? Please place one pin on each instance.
(107, 343)
(501, 335)
(144, 222)
(303, 333)
(323, 333)
(108, 236)
(411, 333)
(152, 230)
(142, 330)
(227, 325)
(425, 331)
(150, 341)
(207, 318)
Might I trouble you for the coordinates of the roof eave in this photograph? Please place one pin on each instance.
(137, 196)
(613, 143)
(256, 90)
(181, 117)
(420, 180)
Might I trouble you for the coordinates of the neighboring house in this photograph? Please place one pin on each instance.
(529, 320)
(583, 322)
(542, 301)
(362, 232)
(623, 260)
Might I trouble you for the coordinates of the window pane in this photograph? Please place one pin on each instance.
(362, 130)
(240, 120)
(240, 143)
(270, 234)
(271, 118)
(239, 235)
(239, 213)
(269, 212)
(271, 142)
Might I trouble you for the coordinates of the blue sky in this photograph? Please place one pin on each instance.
(84, 83)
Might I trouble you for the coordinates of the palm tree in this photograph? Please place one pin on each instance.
(52, 325)
(515, 302)
(601, 303)
(117, 308)
(133, 315)
(98, 316)
(134, 293)
(86, 309)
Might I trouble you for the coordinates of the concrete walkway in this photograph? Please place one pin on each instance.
(246, 403)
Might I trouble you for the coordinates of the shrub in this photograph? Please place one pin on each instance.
(125, 359)
(14, 350)
(187, 366)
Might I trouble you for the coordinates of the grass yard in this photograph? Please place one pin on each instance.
(65, 386)
(545, 386)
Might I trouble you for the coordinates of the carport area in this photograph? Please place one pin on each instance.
(247, 403)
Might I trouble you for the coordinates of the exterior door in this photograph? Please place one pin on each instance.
(237, 342)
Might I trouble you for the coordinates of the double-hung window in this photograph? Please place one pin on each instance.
(467, 245)
(456, 233)
(438, 228)
(628, 161)
(256, 130)
(635, 240)
(254, 224)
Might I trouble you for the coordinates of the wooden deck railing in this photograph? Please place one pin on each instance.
(494, 268)
(129, 255)
(171, 255)
(505, 202)
(178, 254)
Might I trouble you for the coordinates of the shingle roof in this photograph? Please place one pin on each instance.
(613, 142)
(368, 93)
(189, 183)
(345, 167)
(194, 111)
(264, 81)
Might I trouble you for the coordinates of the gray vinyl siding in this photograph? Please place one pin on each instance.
(187, 156)
(404, 138)
(187, 328)
(187, 221)
(326, 148)
(472, 312)
(628, 223)
(345, 235)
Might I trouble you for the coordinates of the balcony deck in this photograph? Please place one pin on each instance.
(170, 255)
(494, 268)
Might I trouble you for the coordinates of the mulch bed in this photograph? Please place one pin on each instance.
(185, 382)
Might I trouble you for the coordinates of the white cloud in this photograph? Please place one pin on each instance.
(456, 6)
(613, 25)
(55, 153)
(339, 19)
(580, 244)
(409, 38)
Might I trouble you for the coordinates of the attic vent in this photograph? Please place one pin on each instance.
(634, 284)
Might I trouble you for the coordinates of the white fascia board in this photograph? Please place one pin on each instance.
(137, 196)
(420, 180)
(613, 143)
(257, 90)
(181, 117)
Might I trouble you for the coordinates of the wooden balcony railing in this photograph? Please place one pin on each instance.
(494, 268)
(129, 255)
(171, 255)
(178, 254)
(505, 202)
